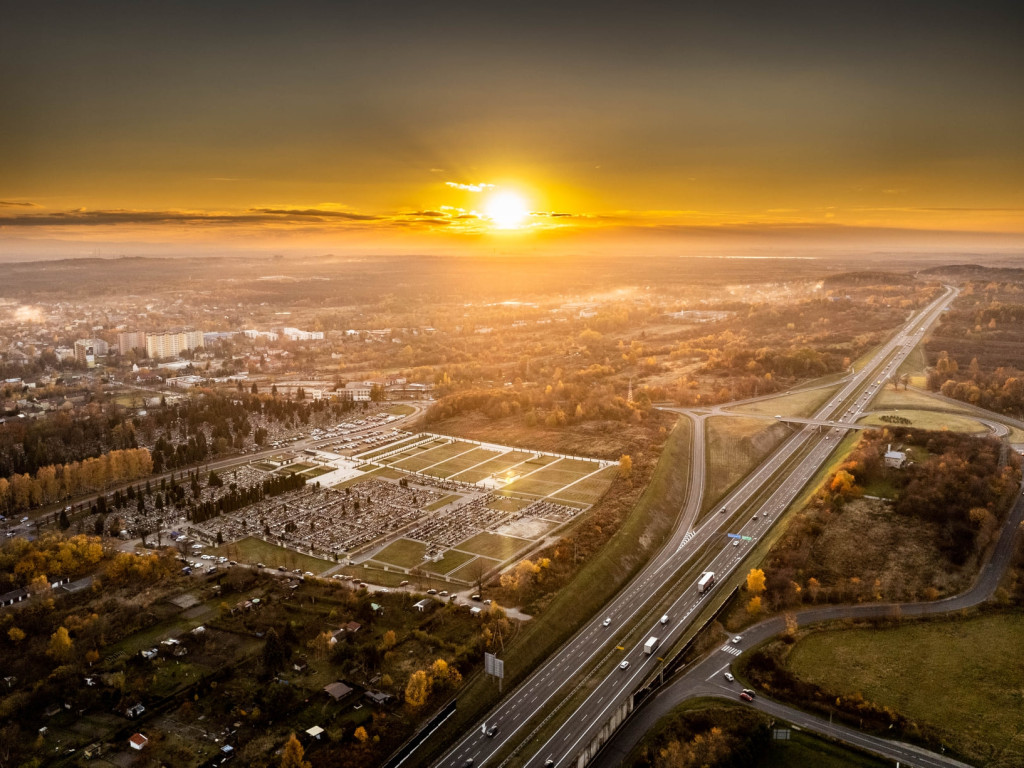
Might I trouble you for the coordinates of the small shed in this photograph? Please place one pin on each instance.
(337, 691)
(424, 605)
(137, 741)
(315, 732)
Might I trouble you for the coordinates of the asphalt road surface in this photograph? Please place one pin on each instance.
(628, 609)
(706, 678)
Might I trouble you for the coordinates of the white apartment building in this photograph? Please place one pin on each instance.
(172, 343)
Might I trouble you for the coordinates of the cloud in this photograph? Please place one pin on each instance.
(469, 187)
(317, 213)
(15, 204)
(558, 215)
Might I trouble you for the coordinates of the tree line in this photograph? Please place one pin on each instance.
(65, 481)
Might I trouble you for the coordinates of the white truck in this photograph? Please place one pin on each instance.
(707, 580)
(650, 645)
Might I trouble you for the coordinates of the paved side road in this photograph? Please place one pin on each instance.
(706, 678)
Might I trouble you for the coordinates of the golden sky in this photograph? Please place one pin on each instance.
(391, 126)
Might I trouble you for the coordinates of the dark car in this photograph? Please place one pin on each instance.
(749, 692)
(492, 731)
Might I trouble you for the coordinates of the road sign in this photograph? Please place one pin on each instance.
(747, 538)
(494, 666)
(734, 536)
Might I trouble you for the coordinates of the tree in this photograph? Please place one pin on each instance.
(293, 753)
(64, 522)
(61, 645)
(417, 690)
(16, 635)
(273, 652)
(625, 466)
(361, 735)
(754, 605)
(755, 581)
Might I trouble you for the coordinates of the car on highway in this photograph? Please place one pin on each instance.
(736, 542)
(736, 640)
(746, 696)
(624, 665)
(607, 622)
(492, 731)
(664, 619)
(723, 510)
(729, 677)
(749, 692)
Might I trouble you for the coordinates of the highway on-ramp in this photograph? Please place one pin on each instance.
(706, 678)
(629, 610)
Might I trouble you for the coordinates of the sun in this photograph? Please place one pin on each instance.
(507, 210)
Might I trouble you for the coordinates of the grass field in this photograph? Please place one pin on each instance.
(443, 501)
(502, 462)
(433, 455)
(405, 553)
(960, 677)
(915, 365)
(798, 404)
(250, 550)
(389, 447)
(317, 471)
(734, 447)
(400, 409)
(451, 560)
(553, 477)
(462, 462)
(507, 503)
(590, 490)
(494, 545)
(909, 398)
(468, 571)
(954, 422)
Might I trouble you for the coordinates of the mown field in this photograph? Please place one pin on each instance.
(462, 462)
(930, 420)
(494, 545)
(250, 550)
(736, 445)
(499, 464)
(961, 677)
(405, 553)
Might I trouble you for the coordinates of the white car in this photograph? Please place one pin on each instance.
(606, 623)
(624, 665)
(736, 640)
(729, 677)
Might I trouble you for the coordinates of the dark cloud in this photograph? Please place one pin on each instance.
(14, 204)
(317, 213)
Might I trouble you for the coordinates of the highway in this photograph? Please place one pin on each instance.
(706, 678)
(629, 609)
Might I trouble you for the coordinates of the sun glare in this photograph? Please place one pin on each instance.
(507, 210)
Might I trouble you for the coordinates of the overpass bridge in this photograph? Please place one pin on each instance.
(823, 423)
